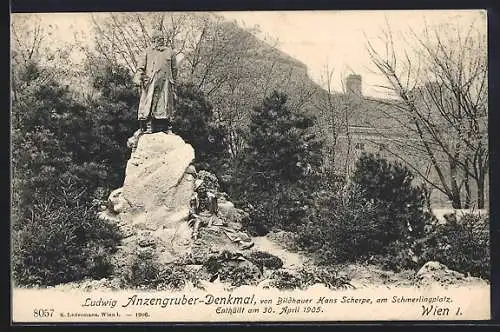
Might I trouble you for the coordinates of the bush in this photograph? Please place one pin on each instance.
(195, 122)
(232, 268)
(114, 120)
(327, 276)
(308, 276)
(399, 257)
(275, 172)
(62, 241)
(175, 277)
(267, 260)
(283, 279)
(144, 273)
(65, 153)
(238, 274)
(400, 203)
(347, 233)
(462, 245)
(212, 265)
(150, 274)
(254, 226)
(380, 218)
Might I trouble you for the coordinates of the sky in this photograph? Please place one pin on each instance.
(336, 39)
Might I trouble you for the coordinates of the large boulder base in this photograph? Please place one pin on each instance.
(152, 210)
(154, 199)
(155, 177)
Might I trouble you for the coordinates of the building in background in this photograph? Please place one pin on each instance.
(375, 125)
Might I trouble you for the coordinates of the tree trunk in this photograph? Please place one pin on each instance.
(428, 192)
(467, 186)
(455, 191)
(467, 194)
(349, 143)
(480, 190)
(333, 150)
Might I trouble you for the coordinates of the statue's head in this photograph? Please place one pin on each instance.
(157, 38)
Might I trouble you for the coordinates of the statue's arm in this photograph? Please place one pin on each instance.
(140, 72)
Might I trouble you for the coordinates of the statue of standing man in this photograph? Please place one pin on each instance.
(155, 75)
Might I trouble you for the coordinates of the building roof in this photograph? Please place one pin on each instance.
(372, 115)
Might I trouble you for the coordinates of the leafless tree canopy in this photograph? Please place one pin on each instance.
(440, 79)
(217, 56)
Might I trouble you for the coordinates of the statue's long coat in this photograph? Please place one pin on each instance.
(158, 67)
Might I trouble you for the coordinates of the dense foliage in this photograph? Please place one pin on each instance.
(275, 173)
(65, 155)
(381, 215)
(70, 126)
(64, 145)
(148, 273)
(462, 245)
(195, 122)
(389, 185)
(114, 119)
(67, 152)
(61, 241)
(307, 276)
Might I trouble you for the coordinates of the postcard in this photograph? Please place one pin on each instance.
(252, 166)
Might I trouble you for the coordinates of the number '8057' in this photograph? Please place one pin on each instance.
(42, 313)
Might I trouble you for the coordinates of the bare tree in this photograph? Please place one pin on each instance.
(442, 92)
(213, 53)
(328, 107)
(35, 54)
(121, 37)
(333, 108)
(227, 62)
